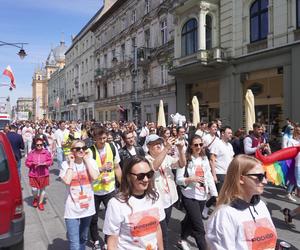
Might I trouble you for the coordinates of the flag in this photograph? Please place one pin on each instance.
(57, 102)
(8, 72)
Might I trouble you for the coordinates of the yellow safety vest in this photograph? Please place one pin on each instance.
(68, 142)
(106, 170)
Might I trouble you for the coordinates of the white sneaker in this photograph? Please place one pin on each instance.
(183, 245)
(205, 213)
(291, 198)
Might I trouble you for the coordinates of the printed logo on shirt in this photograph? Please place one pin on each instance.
(260, 235)
(143, 227)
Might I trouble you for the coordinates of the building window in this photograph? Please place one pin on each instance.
(147, 38)
(164, 74)
(105, 90)
(123, 52)
(105, 61)
(208, 31)
(164, 32)
(123, 88)
(298, 13)
(133, 43)
(113, 54)
(259, 20)
(147, 6)
(189, 37)
(133, 16)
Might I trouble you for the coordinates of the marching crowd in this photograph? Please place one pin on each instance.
(141, 174)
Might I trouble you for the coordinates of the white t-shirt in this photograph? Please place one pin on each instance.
(164, 180)
(80, 195)
(135, 226)
(209, 140)
(224, 155)
(59, 136)
(27, 133)
(132, 151)
(291, 143)
(231, 228)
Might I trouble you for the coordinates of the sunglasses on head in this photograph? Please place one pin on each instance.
(141, 176)
(260, 177)
(77, 149)
(198, 144)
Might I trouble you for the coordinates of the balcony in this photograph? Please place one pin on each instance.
(82, 99)
(212, 56)
(100, 73)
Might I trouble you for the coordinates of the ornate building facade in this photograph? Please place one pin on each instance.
(55, 61)
(222, 48)
(133, 50)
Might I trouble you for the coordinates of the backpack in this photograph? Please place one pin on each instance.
(112, 147)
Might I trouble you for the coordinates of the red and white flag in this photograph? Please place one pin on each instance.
(8, 72)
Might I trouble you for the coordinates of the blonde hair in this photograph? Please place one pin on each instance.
(77, 141)
(231, 188)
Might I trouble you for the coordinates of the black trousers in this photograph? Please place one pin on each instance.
(94, 222)
(219, 184)
(164, 227)
(192, 223)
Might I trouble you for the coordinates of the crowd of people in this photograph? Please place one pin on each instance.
(140, 174)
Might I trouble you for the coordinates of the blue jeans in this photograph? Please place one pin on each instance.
(59, 156)
(77, 231)
(297, 176)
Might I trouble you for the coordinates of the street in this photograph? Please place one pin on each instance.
(46, 229)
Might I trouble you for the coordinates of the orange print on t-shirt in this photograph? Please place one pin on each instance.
(260, 235)
(144, 222)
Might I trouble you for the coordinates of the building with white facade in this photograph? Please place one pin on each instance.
(222, 48)
(133, 52)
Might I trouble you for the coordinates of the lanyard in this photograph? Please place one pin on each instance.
(79, 178)
(165, 180)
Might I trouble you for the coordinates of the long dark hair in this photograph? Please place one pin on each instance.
(189, 148)
(126, 189)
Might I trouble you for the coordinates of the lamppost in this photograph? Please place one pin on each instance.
(21, 53)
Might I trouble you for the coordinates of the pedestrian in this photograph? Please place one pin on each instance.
(38, 161)
(108, 159)
(241, 219)
(17, 143)
(27, 133)
(196, 182)
(50, 137)
(133, 215)
(59, 136)
(162, 164)
(77, 173)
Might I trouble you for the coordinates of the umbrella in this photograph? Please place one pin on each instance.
(196, 114)
(249, 110)
(161, 121)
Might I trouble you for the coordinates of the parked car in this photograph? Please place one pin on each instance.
(12, 218)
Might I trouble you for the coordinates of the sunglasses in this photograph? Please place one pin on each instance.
(259, 177)
(77, 149)
(38, 145)
(198, 144)
(141, 176)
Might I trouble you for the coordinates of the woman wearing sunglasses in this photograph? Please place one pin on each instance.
(77, 173)
(241, 220)
(132, 219)
(196, 182)
(38, 161)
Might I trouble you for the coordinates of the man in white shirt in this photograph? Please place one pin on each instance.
(27, 134)
(221, 155)
(59, 136)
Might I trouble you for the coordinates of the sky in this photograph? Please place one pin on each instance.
(42, 24)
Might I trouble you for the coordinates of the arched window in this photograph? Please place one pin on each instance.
(189, 37)
(258, 20)
(208, 31)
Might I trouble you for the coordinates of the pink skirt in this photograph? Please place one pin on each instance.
(39, 182)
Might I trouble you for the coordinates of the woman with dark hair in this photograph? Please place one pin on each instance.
(241, 220)
(196, 182)
(50, 137)
(132, 217)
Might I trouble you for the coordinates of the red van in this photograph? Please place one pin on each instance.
(12, 218)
